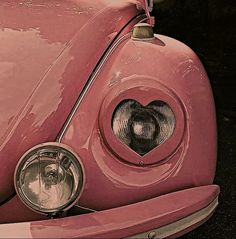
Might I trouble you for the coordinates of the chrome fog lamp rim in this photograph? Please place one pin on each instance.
(46, 157)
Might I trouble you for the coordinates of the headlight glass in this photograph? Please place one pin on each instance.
(143, 128)
(49, 178)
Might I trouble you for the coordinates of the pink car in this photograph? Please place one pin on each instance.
(107, 130)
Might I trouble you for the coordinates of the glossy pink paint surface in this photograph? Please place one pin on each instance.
(124, 221)
(48, 49)
(112, 182)
(129, 220)
(15, 211)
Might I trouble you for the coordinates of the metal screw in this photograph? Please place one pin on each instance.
(141, 163)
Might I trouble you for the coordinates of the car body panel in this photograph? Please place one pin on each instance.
(48, 50)
(148, 64)
(64, 67)
(21, 212)
(127, 221)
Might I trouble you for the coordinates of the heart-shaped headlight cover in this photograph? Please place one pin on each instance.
(143, 128)
(142, 121)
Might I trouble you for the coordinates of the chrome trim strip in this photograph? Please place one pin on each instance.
(178, 226)
(93, 77)
(87, 87)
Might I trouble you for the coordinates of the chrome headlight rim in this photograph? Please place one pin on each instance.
(43, 148)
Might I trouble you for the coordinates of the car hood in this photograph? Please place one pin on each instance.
(48, 49)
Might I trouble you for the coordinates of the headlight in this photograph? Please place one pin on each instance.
(143, 128)
(49, 178)
(141, 121)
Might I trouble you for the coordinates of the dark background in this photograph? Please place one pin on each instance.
(208, 27)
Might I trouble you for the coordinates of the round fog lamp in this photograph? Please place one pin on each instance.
(49, 178)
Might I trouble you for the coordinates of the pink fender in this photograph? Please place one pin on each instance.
(47, 52)
(162, 65)
(90, 67)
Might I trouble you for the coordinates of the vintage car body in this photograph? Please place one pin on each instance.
(65, 66)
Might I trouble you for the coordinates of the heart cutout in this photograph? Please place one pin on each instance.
(143, 128)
